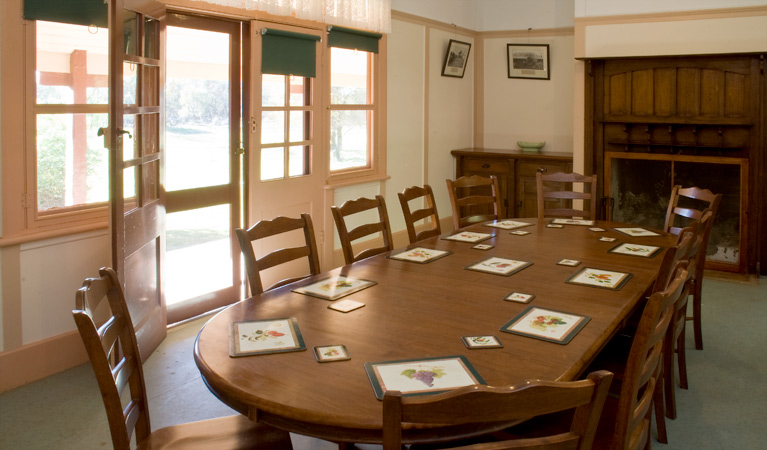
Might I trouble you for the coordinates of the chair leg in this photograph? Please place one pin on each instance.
(696, 315)
(681, 357)
(668, 382)
(660, 417)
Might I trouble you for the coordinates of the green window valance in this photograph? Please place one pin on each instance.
(353, 39)
(288, 53)
(76, 12)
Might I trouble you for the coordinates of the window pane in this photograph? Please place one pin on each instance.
(348, 139)
(72, 164)
(129, 143)
(298, 160)
(129, 83)
(72, 64)
(299, 91)
(299, 121)
(348, 77)
(194, 236)
(272, 163)
(129, 187)
(197, 108)
(272, 127)
(273, 90)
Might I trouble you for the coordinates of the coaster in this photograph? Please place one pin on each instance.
(519, 297)
(597, 229)
(475, 342)
(330, 353)
(346, 305)
(519, 232)
(554, 225)
(607, 239)
(568, 262)
(482, 246)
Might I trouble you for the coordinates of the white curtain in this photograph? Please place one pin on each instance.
(371, 15)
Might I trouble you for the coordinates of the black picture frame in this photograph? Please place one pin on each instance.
(529, 61)
(456, 59)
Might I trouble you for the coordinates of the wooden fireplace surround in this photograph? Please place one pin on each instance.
(706, 108)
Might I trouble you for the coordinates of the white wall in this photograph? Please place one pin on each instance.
(591, 8)
(529, 110)
(462, 13)
(524, 14)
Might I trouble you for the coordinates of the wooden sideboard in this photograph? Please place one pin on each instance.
(515, 170)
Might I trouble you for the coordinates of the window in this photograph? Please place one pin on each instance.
(286, 124)
(69, 105)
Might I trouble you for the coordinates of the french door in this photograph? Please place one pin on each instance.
(203, 142)
(137, 210)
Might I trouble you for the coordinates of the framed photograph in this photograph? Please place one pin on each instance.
(346, 305)
(259, 337)
(475, 342)
(330, 353)
(508, 224)
(573, 222)
(636, 232)
(420, 255)
(456, 59)
(422, 376)
(468, 236)
(333, 288)
(528, 61)
(546, 324)
(499, 266)
(604, 279)
(568, 262)
(645, 251)
(519, 297)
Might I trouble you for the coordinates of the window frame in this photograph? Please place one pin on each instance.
(376, 169)
(68, 219)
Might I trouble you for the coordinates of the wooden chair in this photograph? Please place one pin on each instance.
(268, 228)
(625, 424)
(475, 404)
(429, 211)
(469, 206)
(114, 354)
(547, 193)
(348, 237)
(688, 204)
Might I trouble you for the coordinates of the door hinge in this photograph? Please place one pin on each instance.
(239, 151)
(322, 238)
(253, 125)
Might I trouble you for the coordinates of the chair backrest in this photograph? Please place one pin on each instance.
(643, 367)
(689, 203)
(469, 205)
(114, 355)
(267, 228)
(485, 404)
(349, 236)
(412, 216)
(547, 192)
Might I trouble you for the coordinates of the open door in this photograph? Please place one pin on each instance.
(135, 136)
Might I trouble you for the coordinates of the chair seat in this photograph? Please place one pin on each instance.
(231, 433)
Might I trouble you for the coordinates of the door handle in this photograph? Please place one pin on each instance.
(104, 131)
(543, 170)
(485, 166)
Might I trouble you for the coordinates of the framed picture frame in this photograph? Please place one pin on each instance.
(260, 337)
(333, 288)
(546, 324)
(528, 61)
(499, 266)
(330, 353)
(604, 279)
(422, 376)
(477, 342)
(420, 255)
(468, 236)
(456, 59)
(644, 251)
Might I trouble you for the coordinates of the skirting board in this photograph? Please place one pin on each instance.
(41, 359)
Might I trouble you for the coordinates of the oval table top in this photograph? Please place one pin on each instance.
(421, 311)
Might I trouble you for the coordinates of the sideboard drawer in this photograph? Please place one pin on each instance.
(486, 165)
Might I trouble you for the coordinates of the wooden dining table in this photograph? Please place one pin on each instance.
(417, 311)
